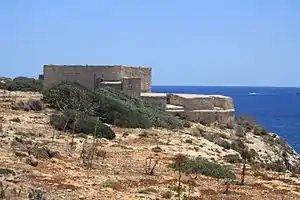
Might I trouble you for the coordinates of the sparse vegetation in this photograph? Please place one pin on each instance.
(21, 84)
(249, 124)
(16, 119)
(31, 104)
(232, 158)
(112, 107)
(239, 131)
(166, 194)
(151, 163)
(81, 123)
(111, 184)
(202, 166)
(216, 138)
(148, 191)
(157, 149)
(36, 194)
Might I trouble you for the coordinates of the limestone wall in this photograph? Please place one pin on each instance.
(131, 86)
(155, 98)
(210, 116)
(117, 85)
(139, 72)
(201, 102)
(223, 102)
(85, 75)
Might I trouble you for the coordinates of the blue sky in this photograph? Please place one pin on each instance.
(192, 42)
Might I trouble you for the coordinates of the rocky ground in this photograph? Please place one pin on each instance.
(56, 166)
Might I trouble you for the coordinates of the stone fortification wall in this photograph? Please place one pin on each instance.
(144, 73)
(89, 75)
(210, 116)
(206, 109)
(84, 74)
(131, 86)
(155, 98)
(201, 102)
(223, 102)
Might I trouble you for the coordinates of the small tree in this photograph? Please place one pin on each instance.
(178, 163)
(150, 168)
(246, 155)
(202, 166)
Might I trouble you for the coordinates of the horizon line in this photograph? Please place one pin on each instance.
(226, 86)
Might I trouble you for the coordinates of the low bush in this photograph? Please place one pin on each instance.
(84, 124)
(31, 104)
(233, 158)
(203, 166)
(22, 84)
(111, 106)
(238, 145)
(215, 138)
(167, 194)
(239, 131)
(260, 131)
(277, 166)
(247, 122)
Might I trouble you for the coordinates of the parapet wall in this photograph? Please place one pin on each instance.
(144, 73)
(86, 75)
(201, 102)
(155, 98)
(205, 109)
(131, 86)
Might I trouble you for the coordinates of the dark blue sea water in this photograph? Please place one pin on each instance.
(277, 109)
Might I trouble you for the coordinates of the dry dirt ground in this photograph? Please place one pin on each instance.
(120, 173)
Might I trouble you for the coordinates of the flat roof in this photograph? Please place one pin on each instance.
(152, 94)
(192, 96)
(91, 65)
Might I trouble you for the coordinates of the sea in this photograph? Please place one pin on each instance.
(275, 108)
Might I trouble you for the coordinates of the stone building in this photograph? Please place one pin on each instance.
(136, 81)
(132, 80)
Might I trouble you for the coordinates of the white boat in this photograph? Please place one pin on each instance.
(253, 93)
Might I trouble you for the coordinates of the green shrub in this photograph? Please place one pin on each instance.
(260, 131)
(84, 124)
(277, 166)
(187, 124)
(204, 167)
(238, 145)
(222, 143)
(111, 106)
(148, 191)
(31, 104)
(215, 138)
(233, 158)
(249, 124)
(69, 96)
(167, 194)
(22, 84)
(239, 131)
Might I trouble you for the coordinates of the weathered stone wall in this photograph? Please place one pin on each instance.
(206, 109)
(85, 75)
(223, 102)
(115, 85)
(210, 116)
(139, 72)
(160, 99)
(205, 116)
(131, 86)
(201, 102)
